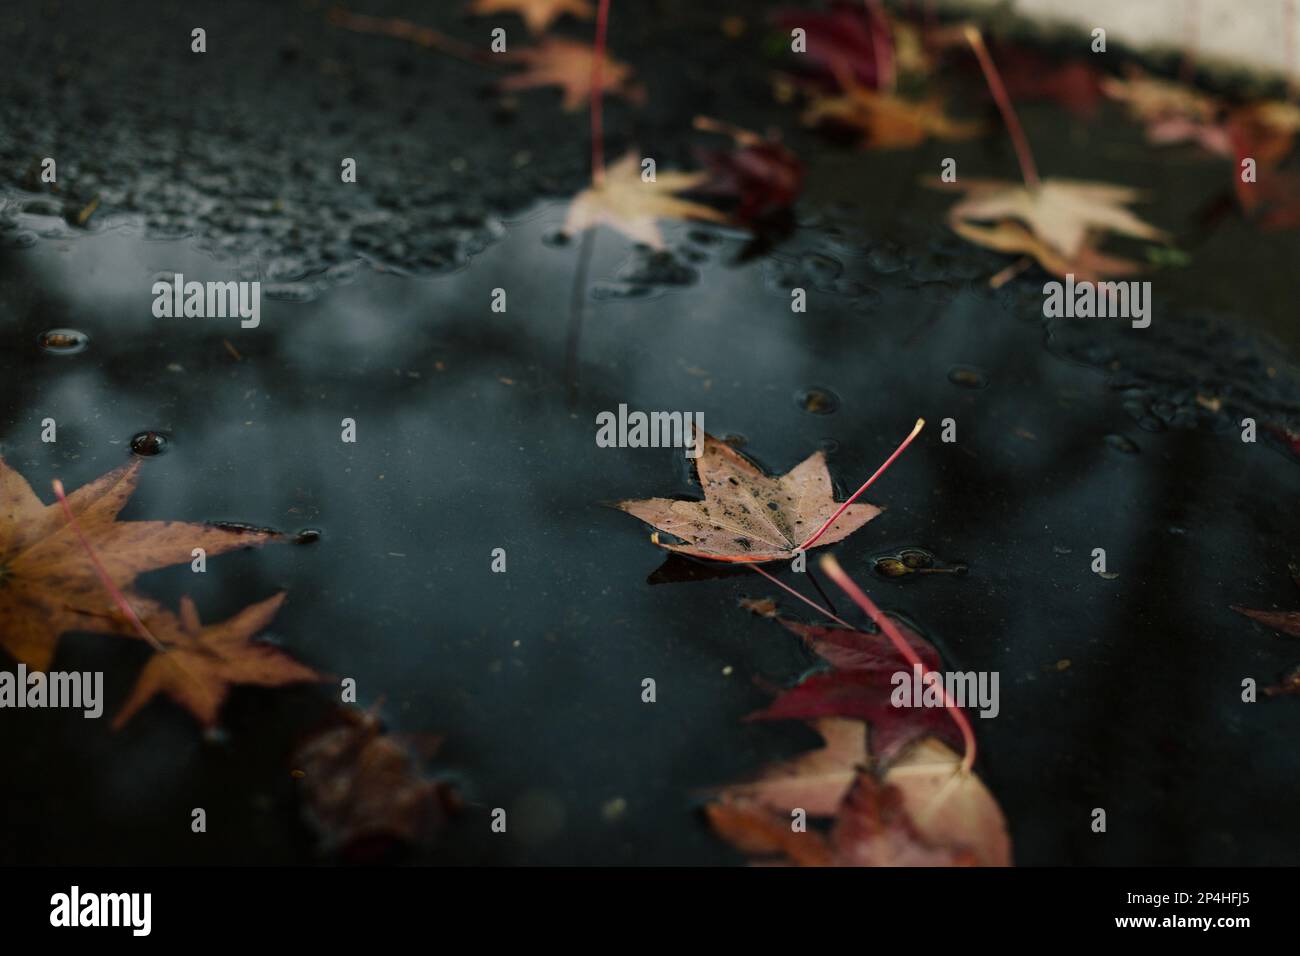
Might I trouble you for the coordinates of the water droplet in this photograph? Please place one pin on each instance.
(148, 444)
(1122, 444)
(64, 341)
(817, 400)
(307, 536)
(968, 376)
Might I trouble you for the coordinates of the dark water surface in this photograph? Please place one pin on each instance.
(1071, 435)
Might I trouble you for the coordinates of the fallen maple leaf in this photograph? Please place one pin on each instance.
(537, 14)
(1063, 213)
(816, 781)
(1150, 99)
(48, 584)
(1265, 134)
(871, 828)
(950, 806)
(363, 791)
(625, 202)
(568, 65)
(761, 175)
(1008, 236)
(202, 663)
(861, 686)
(887, 121)
(747, 516)
(842, 38)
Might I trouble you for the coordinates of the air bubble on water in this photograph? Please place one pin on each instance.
(817, 400)
(307, 536)
(64, 341)
(148, 444)
(556, 238)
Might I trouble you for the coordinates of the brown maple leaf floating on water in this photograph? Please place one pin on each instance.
(202, 663)
(49, 585)
(537, 14)
(570, 66)
(747, 516)
(626, 202)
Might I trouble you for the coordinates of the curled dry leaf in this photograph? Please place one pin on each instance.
(625, 202)
(363, 792)
(568, 65)
(537, 14)
(745, 515)
(48, 584)
(202, 663)
(950, 807)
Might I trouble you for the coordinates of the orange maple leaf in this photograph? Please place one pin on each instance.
(202, 663)
(568, 65)
(48, 584)
(626, 202)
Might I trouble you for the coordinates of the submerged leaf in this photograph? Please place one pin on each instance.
(363, 791)
(950, 806)
(202, 663)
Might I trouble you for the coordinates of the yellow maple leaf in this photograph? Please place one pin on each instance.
(626, 202)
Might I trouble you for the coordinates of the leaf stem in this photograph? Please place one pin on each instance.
(597, 95)
(811, 603)
(916, 430)
(859, 597)
(118, 597)
(1028, 171)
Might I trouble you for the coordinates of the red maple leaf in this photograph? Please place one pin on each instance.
(860, 686)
